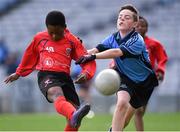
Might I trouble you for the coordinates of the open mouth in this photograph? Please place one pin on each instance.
(121, 23)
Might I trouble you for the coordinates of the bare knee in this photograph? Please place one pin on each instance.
(54, 92)
(122, 105)
(140, 112)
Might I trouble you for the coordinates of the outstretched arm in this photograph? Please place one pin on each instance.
(27, 64)
(108, 54)
(11, 78)
(92, 51)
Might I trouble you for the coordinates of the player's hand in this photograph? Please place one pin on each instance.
(81, 78)
(85, 58)
(11, 78)
(160, 76)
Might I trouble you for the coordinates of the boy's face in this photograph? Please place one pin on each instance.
(125, 21)
(141, 27)
(56, 32)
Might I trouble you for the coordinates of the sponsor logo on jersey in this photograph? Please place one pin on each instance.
(48, 62)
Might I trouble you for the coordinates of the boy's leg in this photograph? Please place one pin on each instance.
(62, 106)
(118, 121)
(69, 128)
(65, 108)
(130, 112)
(50, 85)
(138, 118)
(78, 115)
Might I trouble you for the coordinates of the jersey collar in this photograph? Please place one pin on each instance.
(119, 40)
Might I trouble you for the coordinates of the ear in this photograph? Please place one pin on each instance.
(135, 24)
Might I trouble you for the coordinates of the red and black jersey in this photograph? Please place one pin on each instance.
(47, 55)
(157, 54)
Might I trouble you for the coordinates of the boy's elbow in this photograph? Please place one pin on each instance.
(118, 52)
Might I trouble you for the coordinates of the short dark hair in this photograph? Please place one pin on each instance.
(144, 19)
(133, 9)
(55, 18)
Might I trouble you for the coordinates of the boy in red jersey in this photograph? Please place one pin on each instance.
(158, 58)
(51, 53)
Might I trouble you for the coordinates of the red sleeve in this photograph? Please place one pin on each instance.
(161, 58)
(88, 68)
(29, 60)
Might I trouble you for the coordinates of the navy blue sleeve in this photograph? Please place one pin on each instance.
(101, 47)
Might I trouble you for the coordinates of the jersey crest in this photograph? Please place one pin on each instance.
(68, 51)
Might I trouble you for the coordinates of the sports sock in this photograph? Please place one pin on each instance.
(63, 107)
(69, 128)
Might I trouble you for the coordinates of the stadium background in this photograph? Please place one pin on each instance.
(91, 20)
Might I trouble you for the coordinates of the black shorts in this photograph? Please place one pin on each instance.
(48, 79)
(139, 92)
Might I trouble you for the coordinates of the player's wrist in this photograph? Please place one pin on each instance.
(17, 74)
(93, 56)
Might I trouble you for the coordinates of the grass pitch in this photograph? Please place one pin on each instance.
(54, 122)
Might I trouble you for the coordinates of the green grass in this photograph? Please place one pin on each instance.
(54, 122)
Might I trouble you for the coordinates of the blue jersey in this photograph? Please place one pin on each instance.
(134, 63)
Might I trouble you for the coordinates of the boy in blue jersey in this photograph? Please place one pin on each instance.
(132, 62)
